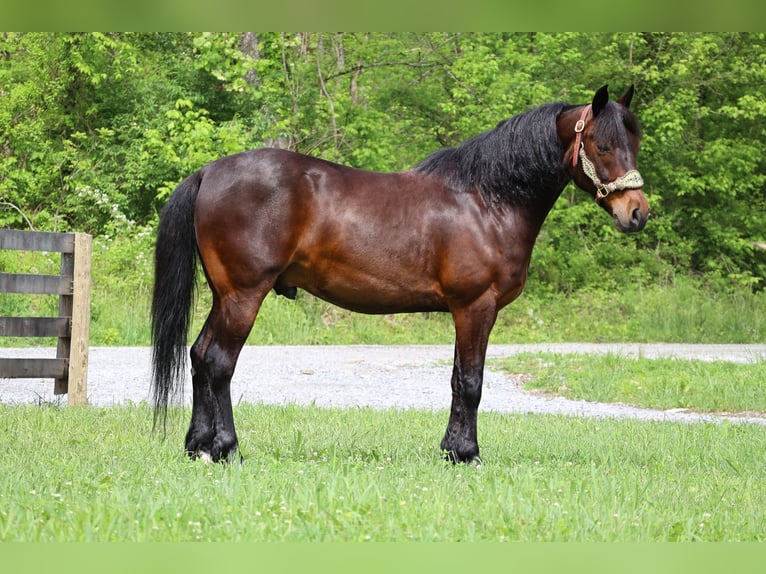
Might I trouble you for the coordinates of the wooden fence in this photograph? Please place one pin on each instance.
(70, 367)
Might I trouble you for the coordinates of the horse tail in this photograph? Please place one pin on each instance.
(175, 282)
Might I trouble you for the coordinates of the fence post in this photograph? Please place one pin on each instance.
(72, 327)
(80, 313)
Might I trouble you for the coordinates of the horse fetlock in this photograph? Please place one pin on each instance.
(224, 448)
(462, 451)
(198, 442)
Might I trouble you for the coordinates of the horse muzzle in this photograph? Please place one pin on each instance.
(629, 209)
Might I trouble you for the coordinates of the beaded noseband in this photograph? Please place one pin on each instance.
(629, 180)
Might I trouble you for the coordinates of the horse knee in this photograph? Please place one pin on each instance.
(221, 365)
(197, 357)
(212, 363)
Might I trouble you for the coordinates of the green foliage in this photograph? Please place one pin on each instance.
(704, 141)
(122, 278)
(188, 140)
(100, 127)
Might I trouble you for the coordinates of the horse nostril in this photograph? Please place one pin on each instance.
(637, 219)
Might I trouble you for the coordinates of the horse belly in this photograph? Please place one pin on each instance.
(365, 290)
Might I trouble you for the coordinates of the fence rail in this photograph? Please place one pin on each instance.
(72, 327)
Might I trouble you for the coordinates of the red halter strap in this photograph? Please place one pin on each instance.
(579, 127)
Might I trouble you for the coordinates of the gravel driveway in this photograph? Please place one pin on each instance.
(376, 376)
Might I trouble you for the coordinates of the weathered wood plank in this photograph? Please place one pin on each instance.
(36, 240)
(34, 326)
(32, 368)
(78, 350)
(39, 284)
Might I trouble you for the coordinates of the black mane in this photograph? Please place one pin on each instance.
(513, 161)
(612, 122)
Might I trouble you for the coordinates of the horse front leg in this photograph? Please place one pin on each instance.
(473, 324)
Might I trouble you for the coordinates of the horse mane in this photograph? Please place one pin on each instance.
(513, 161)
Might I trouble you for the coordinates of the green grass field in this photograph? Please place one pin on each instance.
(313, 474)
(711, 387)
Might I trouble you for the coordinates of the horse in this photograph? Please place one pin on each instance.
(453, 234)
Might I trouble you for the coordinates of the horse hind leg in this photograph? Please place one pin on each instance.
(212, 435)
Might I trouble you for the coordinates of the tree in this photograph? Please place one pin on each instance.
(98, 128)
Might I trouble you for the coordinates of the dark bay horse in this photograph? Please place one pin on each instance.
(453, 234)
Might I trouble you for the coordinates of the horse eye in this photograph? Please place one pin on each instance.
(604, 149)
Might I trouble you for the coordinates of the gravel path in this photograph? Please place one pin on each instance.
(376, 376)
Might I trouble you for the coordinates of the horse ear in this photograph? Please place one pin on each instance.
(626, 97)
(600, 100)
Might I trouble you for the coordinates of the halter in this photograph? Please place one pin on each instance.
(629, 180)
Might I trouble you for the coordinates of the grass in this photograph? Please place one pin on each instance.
(660, 383)
(682, 311)
(120, 317)
(315, 474)
(678, 312)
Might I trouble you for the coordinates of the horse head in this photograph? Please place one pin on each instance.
(602, 146)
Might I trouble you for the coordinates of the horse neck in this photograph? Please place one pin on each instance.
(534, 213)
(536, 210)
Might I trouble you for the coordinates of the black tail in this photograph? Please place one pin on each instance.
(175, 278)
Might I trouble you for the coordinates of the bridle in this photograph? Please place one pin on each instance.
(629, 180)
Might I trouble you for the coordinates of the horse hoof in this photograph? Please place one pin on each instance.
(233, 457)
(471, 460)
(203, 456)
